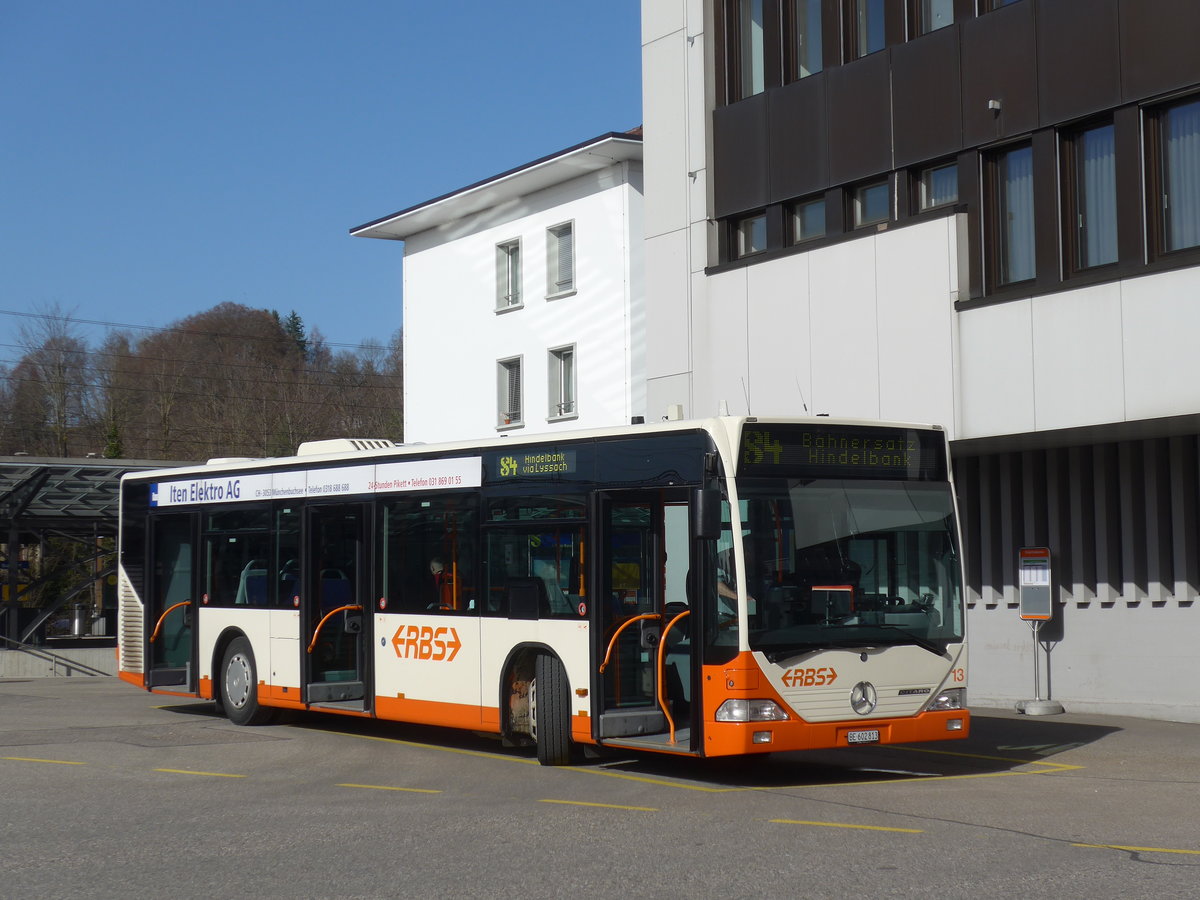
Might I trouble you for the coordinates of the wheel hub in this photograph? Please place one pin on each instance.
(237, 681)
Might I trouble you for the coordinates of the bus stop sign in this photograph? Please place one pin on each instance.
(1033, 573)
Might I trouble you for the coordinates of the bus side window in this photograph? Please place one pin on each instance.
(287, 557)
(237, 545)
(543, 562)
(428, 555)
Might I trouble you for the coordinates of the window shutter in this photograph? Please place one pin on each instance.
(564, 278)
(514, 391)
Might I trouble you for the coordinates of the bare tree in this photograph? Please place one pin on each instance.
(50, 396)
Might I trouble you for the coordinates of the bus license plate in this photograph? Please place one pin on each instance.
(862, 737)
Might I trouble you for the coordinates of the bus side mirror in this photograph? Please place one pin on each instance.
(706, 514)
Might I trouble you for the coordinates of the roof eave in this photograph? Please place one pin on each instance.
(598, 153)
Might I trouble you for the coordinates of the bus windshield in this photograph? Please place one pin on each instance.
(849, 563)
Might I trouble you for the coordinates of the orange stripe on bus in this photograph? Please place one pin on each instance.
(435, 712)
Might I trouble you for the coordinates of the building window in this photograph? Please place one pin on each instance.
(937, 185)
(562, 382)
(745, 59)
(1178, 176)
(808, 219)
(1010, 202)
(802, 24)
(930, 15)
(865, 27)
(989, 5)
(749, 235)
(1090, 204)
(508, 392)
(560, 259)
(872, 203)
(508, 274)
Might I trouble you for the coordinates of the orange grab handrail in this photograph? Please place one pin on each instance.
(159, 624)
(329, 615)
(662, 671)
(616, 634)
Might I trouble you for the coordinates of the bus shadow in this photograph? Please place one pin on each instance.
(998, 744)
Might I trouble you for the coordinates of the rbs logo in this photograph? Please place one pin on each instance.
(809, 677)
(424, 642)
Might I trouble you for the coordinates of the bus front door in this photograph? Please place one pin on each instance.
(332, 608)
(171, 605)
(642, 696)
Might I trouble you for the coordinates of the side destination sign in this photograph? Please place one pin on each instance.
(525, 463)
(393, 477)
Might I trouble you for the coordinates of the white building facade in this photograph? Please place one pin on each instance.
(524, 298)
(978, 214)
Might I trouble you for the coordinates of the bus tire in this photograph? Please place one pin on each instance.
(552, 713)
(239, 686)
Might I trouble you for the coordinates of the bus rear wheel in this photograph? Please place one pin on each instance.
(239, 686)
(552, 711)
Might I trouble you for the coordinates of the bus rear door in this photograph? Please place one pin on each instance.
(332, 607)
(171, 603)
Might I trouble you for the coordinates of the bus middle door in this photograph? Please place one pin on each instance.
(332, 608)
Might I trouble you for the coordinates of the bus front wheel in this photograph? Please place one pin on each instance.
(552, 712)
(239, 686)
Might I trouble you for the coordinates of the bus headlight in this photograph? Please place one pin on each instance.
(954, 698)
(750, 711)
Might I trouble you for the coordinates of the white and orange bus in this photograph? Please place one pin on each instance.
(704, 588)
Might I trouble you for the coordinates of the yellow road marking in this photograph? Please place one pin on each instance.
(1137, 849)
(57, 762)
(1006, 759)
(843, 825)
(601, 805)
(193, 772)
(384, 787)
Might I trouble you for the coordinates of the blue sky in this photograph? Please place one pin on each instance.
(158, 157)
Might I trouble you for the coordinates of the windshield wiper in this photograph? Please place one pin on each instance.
(775, 654)
(922, 642)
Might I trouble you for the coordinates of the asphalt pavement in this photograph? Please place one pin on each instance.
(108, 791)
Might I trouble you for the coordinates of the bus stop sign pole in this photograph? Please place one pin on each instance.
(1037, 606)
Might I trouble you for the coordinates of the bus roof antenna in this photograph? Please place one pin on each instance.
(800, 391)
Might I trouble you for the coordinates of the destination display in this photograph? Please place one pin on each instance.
(842, 451)
(545, 461)
(540, 463)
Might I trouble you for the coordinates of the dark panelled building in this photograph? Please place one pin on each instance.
(1034, 78)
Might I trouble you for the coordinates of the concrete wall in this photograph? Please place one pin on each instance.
(1116, 352)
(37, 663)
(862, 329)
(1114, 658)
(675, 152)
